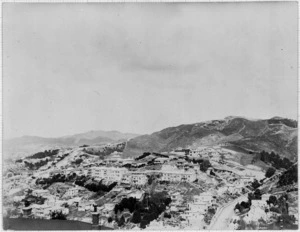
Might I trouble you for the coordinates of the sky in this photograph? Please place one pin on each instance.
(142, 67)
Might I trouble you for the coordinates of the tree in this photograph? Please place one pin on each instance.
(270, 172)
(78, 161)
(238, 207)
(121, 221)
(26, 203)
(272, 200)
(58, 215)
(255, 184)
(136, 217)
(205, 165)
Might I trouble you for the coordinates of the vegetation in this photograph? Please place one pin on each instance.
(83, 181)
(205, 165)
(272, 200)
(270, 172)
(243, 206)
(289, 177)
(44, 154)
(146, 210)
(255, 184)
(37, 165)
(58, 215)
(144, 155)
(42, 162)
(30, 199)
(106, 150)
(78, 161)
(256, 195)
(275, 160)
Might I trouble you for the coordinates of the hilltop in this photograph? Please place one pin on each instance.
(253, 135)
(21, 146)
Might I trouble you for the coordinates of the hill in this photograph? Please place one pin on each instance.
(25, 145)
(275, 134)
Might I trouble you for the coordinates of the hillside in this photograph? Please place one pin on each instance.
(275, 134)
(22, 146)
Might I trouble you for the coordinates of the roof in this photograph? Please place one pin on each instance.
(42, 224)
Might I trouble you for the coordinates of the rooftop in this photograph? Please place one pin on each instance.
(41, 224)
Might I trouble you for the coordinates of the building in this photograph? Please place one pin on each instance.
(176, 197)
(138, 178)
(126, 179)
(173, 174)
(107, 173)
(72, 192)
(194, 154)
(206, 197)
(107, 210)
(134, 178)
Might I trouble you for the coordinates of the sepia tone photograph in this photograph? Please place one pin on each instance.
(150, 116)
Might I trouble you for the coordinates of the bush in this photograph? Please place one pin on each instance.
(44, 154)
(58, 215)
(78, 161)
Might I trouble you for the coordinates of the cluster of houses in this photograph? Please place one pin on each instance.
(124, 176)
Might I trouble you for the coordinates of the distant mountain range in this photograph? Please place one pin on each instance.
(276, 134)
(28, 144)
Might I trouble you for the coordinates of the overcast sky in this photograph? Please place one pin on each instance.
(71, 68)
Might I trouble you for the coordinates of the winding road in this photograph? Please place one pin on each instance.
(221, 219)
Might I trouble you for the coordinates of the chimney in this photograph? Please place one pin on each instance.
(95, 221)
(95, 218)
(27, 212)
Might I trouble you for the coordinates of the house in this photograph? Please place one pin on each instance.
(107, 210)
(71, 192)
(41, 211)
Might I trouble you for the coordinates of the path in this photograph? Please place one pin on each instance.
(221, 219)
